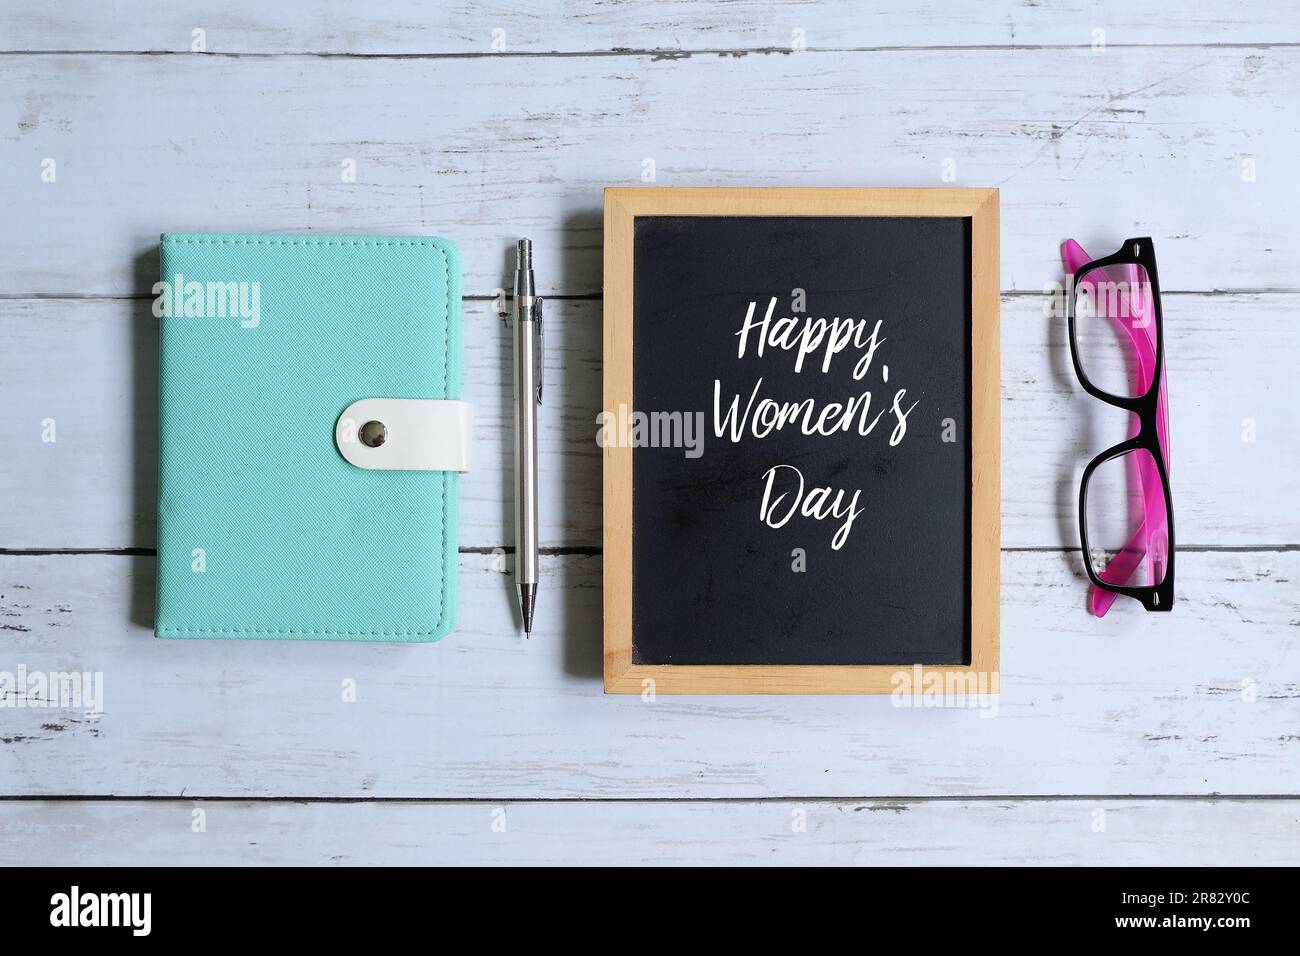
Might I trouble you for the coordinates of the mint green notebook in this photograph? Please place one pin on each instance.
(265, 530)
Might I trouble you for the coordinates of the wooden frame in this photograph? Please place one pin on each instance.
(622, 206)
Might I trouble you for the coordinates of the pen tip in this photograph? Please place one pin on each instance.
(527, 601)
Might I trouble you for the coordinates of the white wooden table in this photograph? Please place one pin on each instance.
(1137, 738)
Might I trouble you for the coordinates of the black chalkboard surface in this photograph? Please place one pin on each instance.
(800, 434)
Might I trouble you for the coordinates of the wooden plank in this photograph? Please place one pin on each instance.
(409, 27)
(805, 833)
(1198, 701)
(1129, 142)
(91, 367)
(1234, 446)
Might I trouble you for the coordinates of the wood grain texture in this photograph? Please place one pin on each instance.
(1146, 141)
(834, 833)
(1205, 700)
(92, 366)
(1147, 137)
(464, 27)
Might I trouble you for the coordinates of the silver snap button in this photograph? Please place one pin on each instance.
(373, 434)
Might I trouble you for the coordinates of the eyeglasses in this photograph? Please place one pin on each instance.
(1126, 513)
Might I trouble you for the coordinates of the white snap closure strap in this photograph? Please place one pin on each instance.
(417, 434)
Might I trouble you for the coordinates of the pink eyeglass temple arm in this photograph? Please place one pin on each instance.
(1153, 531)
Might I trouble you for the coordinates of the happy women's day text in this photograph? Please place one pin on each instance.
(785, 490)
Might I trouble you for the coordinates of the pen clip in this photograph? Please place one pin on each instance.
(539, 359)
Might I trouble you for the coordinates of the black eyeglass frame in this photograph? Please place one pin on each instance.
(1136, 252)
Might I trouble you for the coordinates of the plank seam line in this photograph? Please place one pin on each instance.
(657, 53)
(436, 801)
(594, 551)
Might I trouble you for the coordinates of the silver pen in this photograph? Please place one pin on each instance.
(528, 395)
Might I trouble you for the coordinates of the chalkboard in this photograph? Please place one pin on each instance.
(800, 423)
